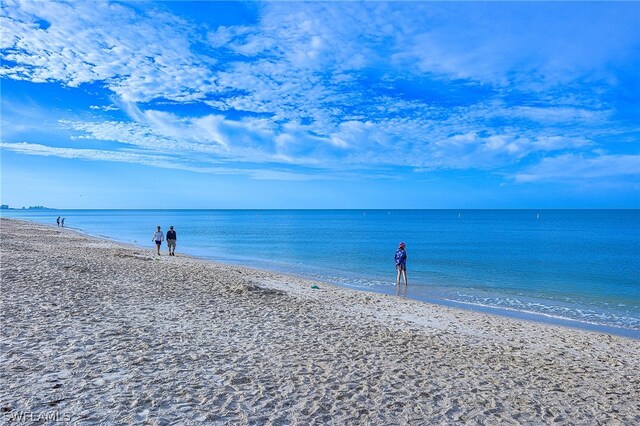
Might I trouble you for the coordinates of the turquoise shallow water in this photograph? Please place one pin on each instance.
(578, 267)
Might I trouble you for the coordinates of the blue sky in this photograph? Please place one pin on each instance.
(320, 105)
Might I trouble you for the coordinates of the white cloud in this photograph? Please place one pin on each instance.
(162, 161)
(93, 154)
(572, 168)
(560, 115)
(530, 46)
(211, 138)
(332, 84)
(104, 107)
(161, 132)
(223, 35)
(143, 54)
(427, 145)
(139, 57)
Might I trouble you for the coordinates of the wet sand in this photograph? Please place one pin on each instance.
(95, 331)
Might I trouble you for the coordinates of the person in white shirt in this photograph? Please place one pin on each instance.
(158, 237)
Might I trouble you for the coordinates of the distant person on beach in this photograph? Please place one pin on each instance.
(171, 241)
(58, 220)
(158, 237)
(401, 263)
(62, 223)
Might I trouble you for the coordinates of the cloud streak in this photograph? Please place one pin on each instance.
(162, 161)
(575, 168)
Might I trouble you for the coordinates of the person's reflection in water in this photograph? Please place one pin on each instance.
(401, 290)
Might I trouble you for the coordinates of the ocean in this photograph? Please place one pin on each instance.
(578, 268)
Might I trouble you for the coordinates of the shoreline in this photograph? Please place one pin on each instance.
(415, 293)
(104, 331)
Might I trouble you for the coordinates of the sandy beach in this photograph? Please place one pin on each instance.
(97, 332)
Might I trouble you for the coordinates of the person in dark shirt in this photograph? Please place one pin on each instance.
(401, 263)
(171, 241)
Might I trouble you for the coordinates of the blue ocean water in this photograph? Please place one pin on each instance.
(577, 267)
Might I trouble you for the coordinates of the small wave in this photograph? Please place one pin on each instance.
(567, 309)
(562, 313)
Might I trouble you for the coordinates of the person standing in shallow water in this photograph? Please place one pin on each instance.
(171, 241)
(401, 263)
(58, 220)
(158, 237)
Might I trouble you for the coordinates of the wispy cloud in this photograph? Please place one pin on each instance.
(212, 138)
(163, 132)
(162, 161)
(572, 168)
(104, 107)
(90, 154)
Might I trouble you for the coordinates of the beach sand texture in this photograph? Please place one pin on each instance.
(102, 332)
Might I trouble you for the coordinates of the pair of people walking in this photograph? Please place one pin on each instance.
(60, 222)
(172, 237)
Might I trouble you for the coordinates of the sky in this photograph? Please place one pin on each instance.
(320, 105)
